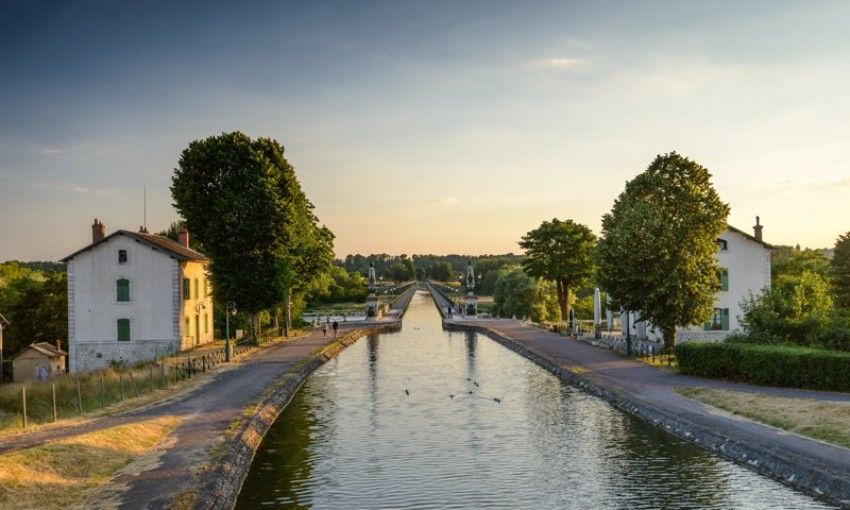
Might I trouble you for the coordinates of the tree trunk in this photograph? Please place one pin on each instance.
(563, 299)
(287, 326)
(255, 325)
(669, 338)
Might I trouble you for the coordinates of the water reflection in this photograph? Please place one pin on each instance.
(353, 438)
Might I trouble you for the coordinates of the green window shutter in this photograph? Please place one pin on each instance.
(724, 319)
(206, 322)
(123, 330)
(186, 295)
(724, 279)
(196, 288)
(123, 290)
(188, 327)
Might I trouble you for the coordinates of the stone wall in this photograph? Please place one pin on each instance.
(96, 355)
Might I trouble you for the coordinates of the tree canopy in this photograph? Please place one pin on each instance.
(658, 249)
(841, 271)
(523, 296)
(241, 199)
(561, 252)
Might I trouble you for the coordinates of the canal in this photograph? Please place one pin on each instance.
(426, 418)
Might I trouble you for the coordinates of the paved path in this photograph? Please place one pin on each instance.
(206, 413)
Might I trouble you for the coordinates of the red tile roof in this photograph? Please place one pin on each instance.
(165, 244)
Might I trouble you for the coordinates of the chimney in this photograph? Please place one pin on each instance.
(98, 231)
(183, 237)
(757, 228)
(143, 230)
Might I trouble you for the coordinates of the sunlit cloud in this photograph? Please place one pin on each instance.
(446, 200)
(76, 189)
(557, 63)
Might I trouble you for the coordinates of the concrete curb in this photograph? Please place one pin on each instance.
(797, 473)
(223, 482)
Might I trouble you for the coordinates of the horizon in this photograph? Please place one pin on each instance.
(447, 128)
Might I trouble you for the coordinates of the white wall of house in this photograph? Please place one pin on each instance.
(93, 308)
(747, 263)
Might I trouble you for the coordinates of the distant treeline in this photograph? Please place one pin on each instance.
(446, 268)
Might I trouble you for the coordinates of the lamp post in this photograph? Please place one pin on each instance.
(231, 310)
(3, 324)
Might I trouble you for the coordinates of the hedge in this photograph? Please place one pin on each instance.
(769, 365)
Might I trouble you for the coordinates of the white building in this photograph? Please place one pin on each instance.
(744, 260)
(133, 296)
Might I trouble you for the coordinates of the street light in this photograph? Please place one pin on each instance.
(3, 323)
(231, 310)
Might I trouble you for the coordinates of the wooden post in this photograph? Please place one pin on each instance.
(24, 407)
(102, 394)
(53, 393)
(79, 397)
(133, 382)
(204, 362)
(162, 374)
(121, 386)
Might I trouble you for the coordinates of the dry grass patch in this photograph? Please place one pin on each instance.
(60, 474)
(827, 421)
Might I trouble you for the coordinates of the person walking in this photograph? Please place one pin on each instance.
(325, 330)
(336, 328)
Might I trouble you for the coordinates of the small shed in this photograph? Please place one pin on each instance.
(39, 362)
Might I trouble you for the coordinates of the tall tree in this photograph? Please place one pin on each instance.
(561, 252)
(658, 247)
(238, 197)
(841, 271)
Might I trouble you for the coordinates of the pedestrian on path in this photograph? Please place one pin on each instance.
(324, 330)
(336, 328)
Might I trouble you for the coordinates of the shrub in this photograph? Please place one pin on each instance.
(770, 365)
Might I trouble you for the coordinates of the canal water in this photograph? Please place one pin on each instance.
(410, 420)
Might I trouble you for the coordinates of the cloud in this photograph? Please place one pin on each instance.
(447, 200)
(557, 63)
(50, 151)
(60, 187)
(796, 185)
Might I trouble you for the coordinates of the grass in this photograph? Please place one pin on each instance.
(102, 391)
(827, 421)
(61, 474)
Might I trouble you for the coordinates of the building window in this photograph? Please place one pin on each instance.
(188, 327)
(123, 330)
(206, 322)
(196, 289)
(123, 290)
(206, 290)
(719, 321)
(122, 256)
(722, 245)
(186, 294)
(723, 276)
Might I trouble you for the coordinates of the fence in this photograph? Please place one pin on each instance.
(652, 352)
(69, 396)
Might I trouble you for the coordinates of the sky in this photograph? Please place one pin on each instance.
(424, 127)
